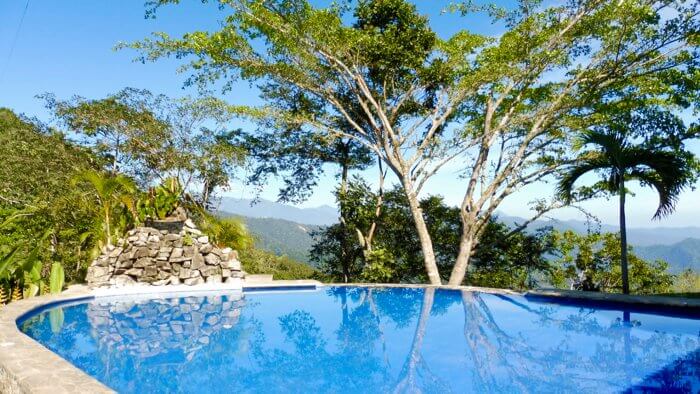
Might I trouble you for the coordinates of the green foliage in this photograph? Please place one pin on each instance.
(511, 259)
(687, 281)
(114, 195)
(152, 138)
(160, 201)
(37, 196)
(121, 128)
(226, 232)
(378, 266)
(256, 261)
(503, 257)
(6, 261)
(644, 146)
(56, 278)
(591, 262)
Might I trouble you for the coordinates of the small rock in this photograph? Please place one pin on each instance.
(194, 281)
(134, 271)
(214, 279)
(212, 259)
(197, 261)
(171, 237)
(185, 273)
(203, 239)
(233, 265)
(193, 231)
(123, 281)
(142, 262)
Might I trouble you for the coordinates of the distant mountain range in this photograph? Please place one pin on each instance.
(639, 236)
(323, 215)
(286, 230)
(680, 256)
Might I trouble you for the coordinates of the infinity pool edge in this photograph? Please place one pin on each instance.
(26, 366)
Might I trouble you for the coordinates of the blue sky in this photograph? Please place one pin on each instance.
(66, 47)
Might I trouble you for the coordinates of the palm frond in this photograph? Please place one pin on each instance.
(590, 162)
(664, 171)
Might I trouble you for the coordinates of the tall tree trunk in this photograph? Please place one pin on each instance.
(109, 231)
(426, 242)
(345, 255)
(466, 247)
(205, 193)
(623, 237)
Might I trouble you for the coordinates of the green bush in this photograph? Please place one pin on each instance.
(256, 261)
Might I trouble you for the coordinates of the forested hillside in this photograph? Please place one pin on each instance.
(285, 237)
(281, 237)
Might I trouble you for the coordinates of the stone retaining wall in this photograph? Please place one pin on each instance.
(166, 253)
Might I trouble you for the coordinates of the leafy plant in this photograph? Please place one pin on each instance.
(109, 193)
(160, 201)
(230, 232)
(56, 278)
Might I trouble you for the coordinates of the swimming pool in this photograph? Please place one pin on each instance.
(360, 339)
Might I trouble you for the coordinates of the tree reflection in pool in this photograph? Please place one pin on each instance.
(357, 339)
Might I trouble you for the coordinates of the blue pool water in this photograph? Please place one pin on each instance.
(357, 339)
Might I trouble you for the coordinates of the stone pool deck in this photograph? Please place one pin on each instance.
(28, 367)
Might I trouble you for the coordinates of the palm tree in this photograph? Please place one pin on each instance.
(619, 160)
(109, 191)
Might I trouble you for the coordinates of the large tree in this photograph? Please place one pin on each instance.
(153, 137)
(119, 127)
(500, 107)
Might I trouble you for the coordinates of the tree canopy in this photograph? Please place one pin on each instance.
(375, 72)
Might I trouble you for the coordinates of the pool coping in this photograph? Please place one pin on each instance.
(26, 366)
(678, 304)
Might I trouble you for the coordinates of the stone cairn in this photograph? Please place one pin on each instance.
(165, 252)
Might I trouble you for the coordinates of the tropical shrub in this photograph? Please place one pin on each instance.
(160, 201)
(591, 262)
